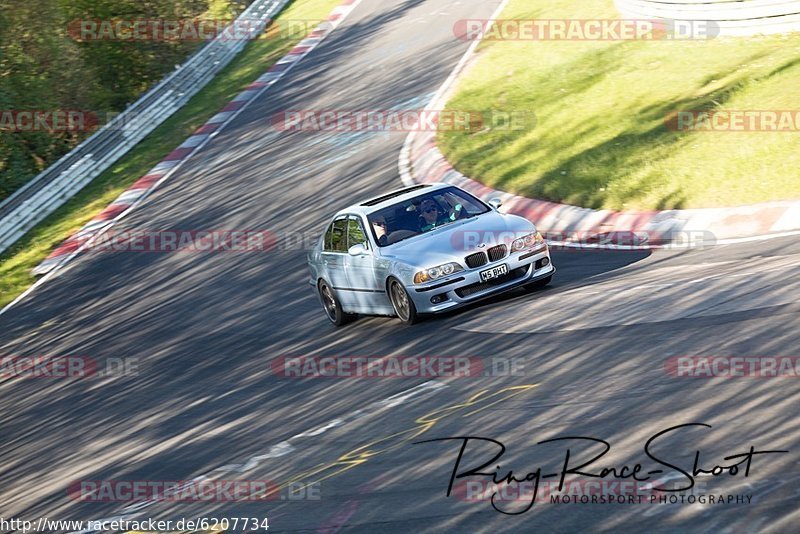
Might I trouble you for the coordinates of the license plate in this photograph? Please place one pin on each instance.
(494, 272)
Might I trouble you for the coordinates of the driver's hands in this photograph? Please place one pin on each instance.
(456, 212)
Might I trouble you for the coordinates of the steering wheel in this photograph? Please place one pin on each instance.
(458, 212)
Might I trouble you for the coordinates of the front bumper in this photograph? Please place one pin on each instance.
(466, 287)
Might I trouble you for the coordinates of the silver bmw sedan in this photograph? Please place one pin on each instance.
(423, 250)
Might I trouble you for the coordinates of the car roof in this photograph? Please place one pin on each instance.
(378, 203)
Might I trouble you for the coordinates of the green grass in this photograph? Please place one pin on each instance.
(17, 262)
(600, 140)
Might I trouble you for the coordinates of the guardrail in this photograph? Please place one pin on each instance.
(731, 17)
(54, 186)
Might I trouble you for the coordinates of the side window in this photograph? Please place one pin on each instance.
(355, 233)
(328, 238)
(335, 238)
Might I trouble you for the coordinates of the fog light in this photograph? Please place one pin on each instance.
(437, 299)
(544, 262)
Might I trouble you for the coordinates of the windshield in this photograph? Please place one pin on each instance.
(423, 214)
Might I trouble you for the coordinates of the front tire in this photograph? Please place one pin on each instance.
(332, 306)
(403, 305)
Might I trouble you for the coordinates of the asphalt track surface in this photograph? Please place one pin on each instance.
(205, 328)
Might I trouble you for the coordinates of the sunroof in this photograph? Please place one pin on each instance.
(378, 200)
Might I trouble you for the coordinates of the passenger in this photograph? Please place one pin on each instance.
(379, 227)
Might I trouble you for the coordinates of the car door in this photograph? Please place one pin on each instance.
(362, 279)
(334, 259)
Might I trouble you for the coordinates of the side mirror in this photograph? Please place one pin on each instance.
(357, 250)
(495, 203)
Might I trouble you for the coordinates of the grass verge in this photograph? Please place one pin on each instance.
(600, 140)
(17, 262)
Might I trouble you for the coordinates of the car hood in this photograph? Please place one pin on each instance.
(455, 241)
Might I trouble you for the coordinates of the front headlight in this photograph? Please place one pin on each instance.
(527, 241)
(437, 272)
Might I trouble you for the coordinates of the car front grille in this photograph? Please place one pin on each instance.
(497, 253)
(473, 289)
(476, 260)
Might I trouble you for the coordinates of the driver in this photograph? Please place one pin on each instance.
(430, 215)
